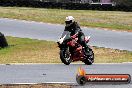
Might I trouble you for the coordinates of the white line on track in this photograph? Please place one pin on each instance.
(73, 83)
(61, 63)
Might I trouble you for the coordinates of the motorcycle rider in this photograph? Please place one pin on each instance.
(75, 30)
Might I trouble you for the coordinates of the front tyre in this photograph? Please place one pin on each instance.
(65, 57)
(90, 57)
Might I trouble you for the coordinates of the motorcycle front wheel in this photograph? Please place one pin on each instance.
(65, 57)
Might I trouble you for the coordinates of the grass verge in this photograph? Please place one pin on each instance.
(105, 19)
(23, 50)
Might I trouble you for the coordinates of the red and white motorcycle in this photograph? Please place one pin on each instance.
(71, 50)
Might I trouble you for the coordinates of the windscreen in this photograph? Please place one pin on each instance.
(65, 34)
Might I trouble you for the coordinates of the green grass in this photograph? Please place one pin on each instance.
(105, 19)
(23, 50)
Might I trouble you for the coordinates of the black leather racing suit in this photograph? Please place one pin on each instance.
(74, 28)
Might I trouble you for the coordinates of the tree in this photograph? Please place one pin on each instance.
(123, 2)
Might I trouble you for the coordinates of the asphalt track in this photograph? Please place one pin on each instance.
(60, 73)
(44, 31)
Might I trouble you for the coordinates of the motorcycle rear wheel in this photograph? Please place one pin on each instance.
(65, 57)
(89, 58)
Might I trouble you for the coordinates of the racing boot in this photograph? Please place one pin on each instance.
(86, 48)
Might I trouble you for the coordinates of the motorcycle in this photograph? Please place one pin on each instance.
(71, 50)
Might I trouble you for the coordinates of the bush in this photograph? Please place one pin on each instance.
(3, 42)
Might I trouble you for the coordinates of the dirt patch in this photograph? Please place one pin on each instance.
(36, 86)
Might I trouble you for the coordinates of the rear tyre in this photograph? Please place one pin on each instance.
(65, 57)
(90, 57)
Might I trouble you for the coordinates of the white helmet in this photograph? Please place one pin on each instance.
(69, 20)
